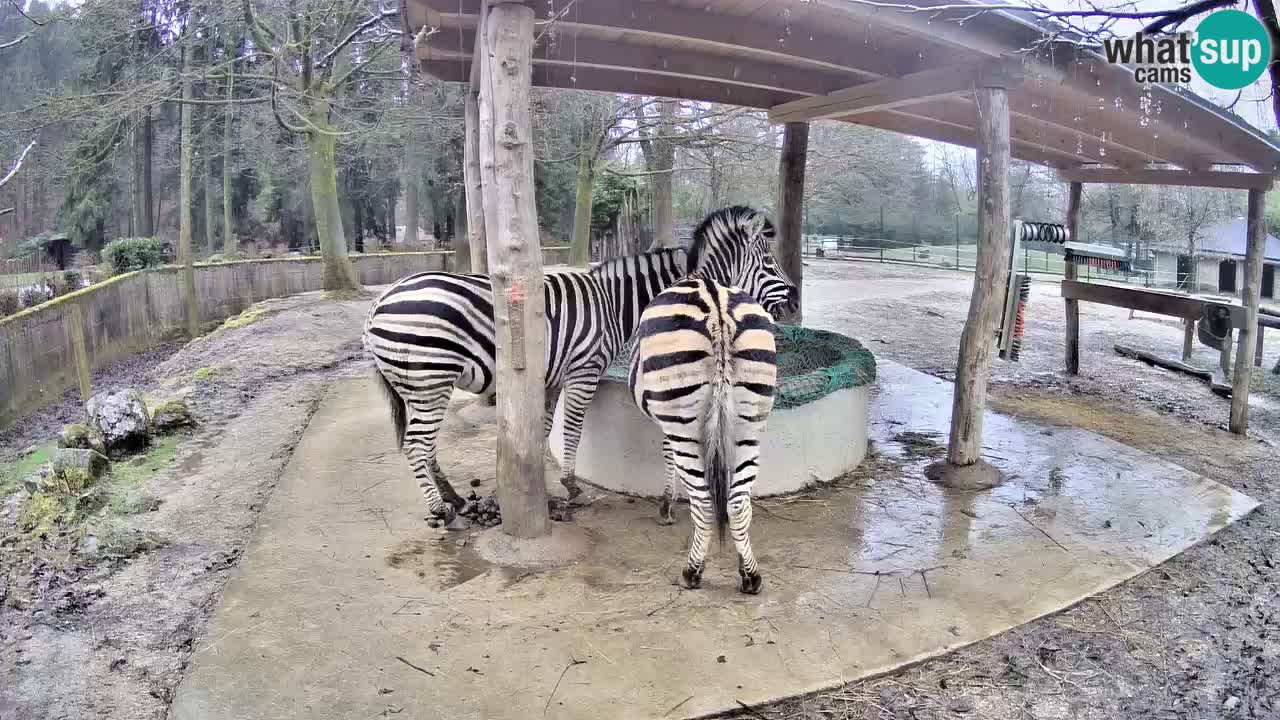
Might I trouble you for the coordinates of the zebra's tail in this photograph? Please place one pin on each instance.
(397, 407)
(718, 446)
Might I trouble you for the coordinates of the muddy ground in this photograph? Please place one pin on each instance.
(86, 636)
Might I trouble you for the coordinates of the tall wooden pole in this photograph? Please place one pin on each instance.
(1250, 295)
(515, 266)
(791, 167)
(1069, 272)
(471, 163)
(990, 276)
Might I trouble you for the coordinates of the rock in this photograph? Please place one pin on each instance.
(78, 435)
(119, 420)
(30, 450)
(36, 480)
(74, 470)
(1231, 703)
(171, 415)
(961, 704)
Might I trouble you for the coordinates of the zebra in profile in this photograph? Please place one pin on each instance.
(705, 369)
(434, 331)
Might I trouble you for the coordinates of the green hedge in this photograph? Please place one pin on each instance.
(129, 254)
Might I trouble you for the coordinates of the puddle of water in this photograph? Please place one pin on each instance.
(454, 560)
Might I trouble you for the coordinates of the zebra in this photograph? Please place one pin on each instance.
(705, 369)
(434, 331)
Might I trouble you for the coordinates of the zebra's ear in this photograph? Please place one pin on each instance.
(755, 228)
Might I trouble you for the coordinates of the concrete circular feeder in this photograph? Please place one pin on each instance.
(817, 432)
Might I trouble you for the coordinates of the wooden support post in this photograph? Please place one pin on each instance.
(1188, 337)
(515, 266)
(73, 323)
(471, 162)
(791, 167)
(990, 276)
(1257, 348)
(1250, 295)
(1069, 273)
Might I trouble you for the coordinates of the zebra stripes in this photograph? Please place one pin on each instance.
(434, 331)
(705, 370)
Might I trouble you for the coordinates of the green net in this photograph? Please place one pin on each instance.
(811, 365)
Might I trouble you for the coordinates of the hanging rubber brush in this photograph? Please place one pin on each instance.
(1011, 350)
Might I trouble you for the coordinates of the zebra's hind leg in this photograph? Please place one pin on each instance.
(750, 580)
(666, 505)
(747, 464)
(425, 416)
(578, 392)
(702, 514)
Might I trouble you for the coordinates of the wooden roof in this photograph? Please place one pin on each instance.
(911, 72)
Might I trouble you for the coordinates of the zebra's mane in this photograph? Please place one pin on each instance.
(731, 217)
(604, 266)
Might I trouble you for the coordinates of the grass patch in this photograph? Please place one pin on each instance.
(210, 373)
(127, 481)
(12, 473)
(250, 315)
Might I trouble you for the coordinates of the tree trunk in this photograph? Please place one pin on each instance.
(391, 216)
(185, 161)
(515, 258)
(147, 226)
(339, 275)
(660, 159)
(461, 246)
(791, 167)
(210, 215)
(229, 248)
(411, 211)
(1069, 273)
(471, 177)
(1250, 296)
(990, 275)
(139, 212)
(580, 248)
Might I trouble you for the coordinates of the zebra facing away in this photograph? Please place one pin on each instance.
(704, 369)
(434, 331)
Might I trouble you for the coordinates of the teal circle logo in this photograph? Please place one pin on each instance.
(1231, 49)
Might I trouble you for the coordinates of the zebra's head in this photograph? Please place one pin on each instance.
(733, 246)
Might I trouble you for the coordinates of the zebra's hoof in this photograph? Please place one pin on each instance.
(751, 584)
(571, 486)
(665, 514)
(691, 579)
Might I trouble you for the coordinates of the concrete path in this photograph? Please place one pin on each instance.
(347, 606)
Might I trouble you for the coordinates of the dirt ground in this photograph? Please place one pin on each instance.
(83, 635)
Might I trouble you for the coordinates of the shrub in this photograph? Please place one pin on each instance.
(129, 254)
(9, 303)
(73, 281)
(34, 295)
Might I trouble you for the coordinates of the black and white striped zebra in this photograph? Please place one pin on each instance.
(434, 331)
(704, 369)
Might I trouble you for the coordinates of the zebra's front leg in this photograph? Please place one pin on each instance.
(425, 417)
(578, 392)
(666, 505)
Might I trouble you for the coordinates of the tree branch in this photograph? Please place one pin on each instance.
(328, 57)
(18, 165)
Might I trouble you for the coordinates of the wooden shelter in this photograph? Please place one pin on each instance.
(996, 81)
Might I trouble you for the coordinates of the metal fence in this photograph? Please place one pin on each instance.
(962, 256)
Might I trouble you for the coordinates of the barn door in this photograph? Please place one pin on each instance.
(1269, 281)
(1227, 276)
(1185, 266)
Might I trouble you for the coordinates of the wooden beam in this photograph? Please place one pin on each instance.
(990, 275)
(894, 92)
(627, 81)
(619, 55)
(1145, 300)
(1069, 272)
(791, 171)
(1201, 178)
(670, 25)
(515, 262)
(903, 122)
(1250, 296)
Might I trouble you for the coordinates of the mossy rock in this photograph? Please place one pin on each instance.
(75, 470)
(171, 415)
(210, 373)
(43, 513)
(80, 436)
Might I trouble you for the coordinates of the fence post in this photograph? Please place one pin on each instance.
(73, 324)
